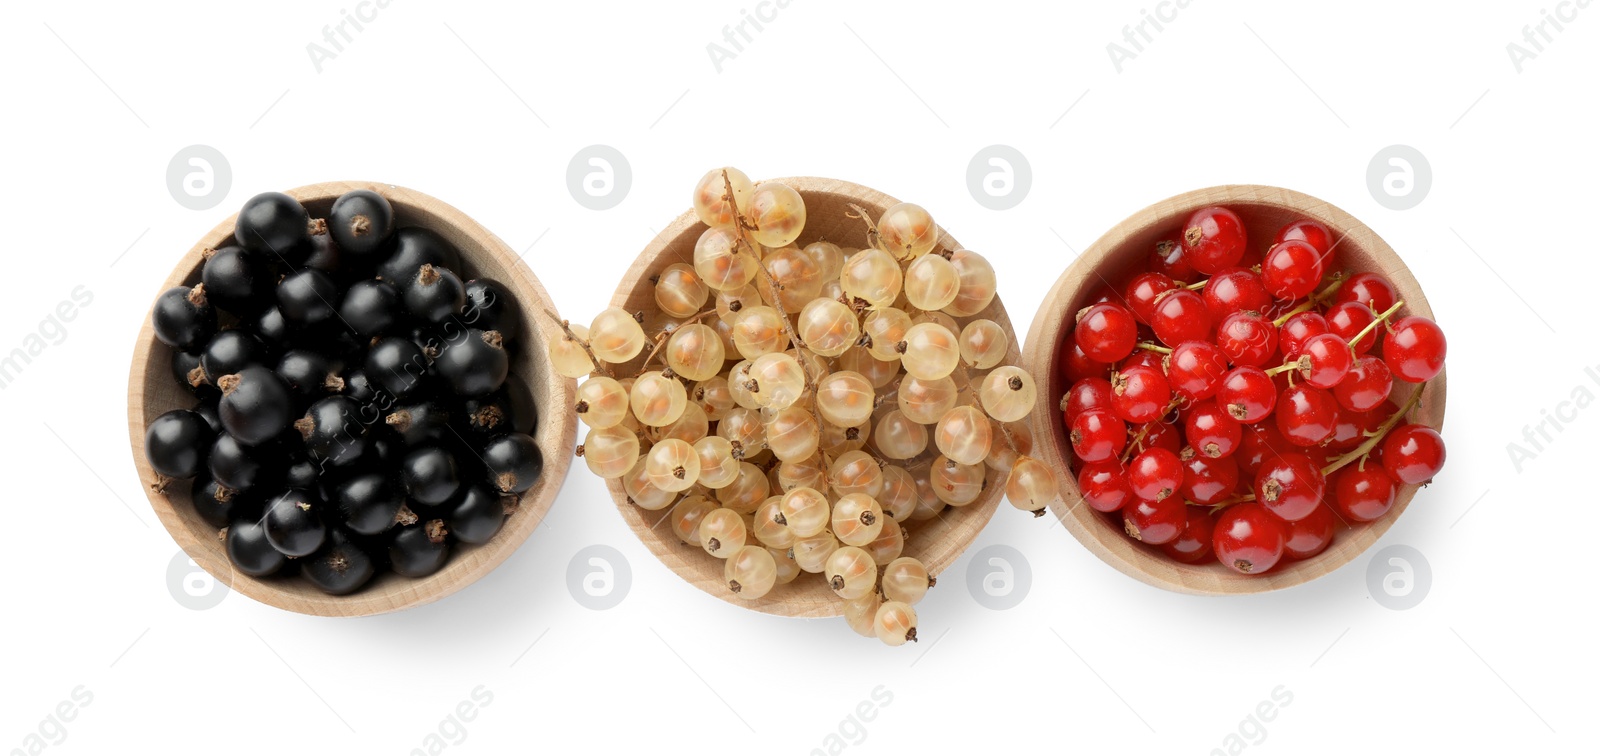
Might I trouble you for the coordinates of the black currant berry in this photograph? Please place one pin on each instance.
(421, 423)
(177, 442)
(413, 248)
(307, 298)
(490, 308)
(237, 281)
(333, 431)
(367, 503)
(186, 370)
(420, 550)
(433, 294)
(489, 415)
(478, 515)
(430, 475)
(475, 366)
(397, 365)
(310, 374)
(184, 318)
(207, 408)
(294, 523)
(272, 329)
(342, 566)
(275, 225)
(219, 505)
(249, 550)
(300, 470)
(229, 352)
(255, 404)
(242, 467)
(362, 223)
(326, 255)
(385, 449)
(371, 307)
(514, 462)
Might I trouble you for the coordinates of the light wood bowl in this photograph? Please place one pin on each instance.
(937, 542)
(1122, 251)
(152, 391)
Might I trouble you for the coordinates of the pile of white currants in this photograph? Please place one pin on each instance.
(786, 408)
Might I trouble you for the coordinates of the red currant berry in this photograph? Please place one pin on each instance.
(1207, 481)
(1155, 474)
(1289, 486)
(1348, 433)
(1247, 394)
(1213, 239)
(1259, 443)
(1247, 338)
(1154, 522)
(1291, 270)
(1310, 232)
(1143, 291)
(1167, 259)
(1076, 365)
(1104, 485)
(1143, 358)
(1106, 332)
(1211, 430)
(1306, 415)
(1368, 289)
(1195, 369)
(1294, 332)
(1412, 454)
(1414, 349)
(1193, 543)
(1310, 535)
(1248, 539)
(1233, 290)
(1348, 319)
(1324, 360)
(1363, 493)
(1181, 316)
(1157, 435)
(1366, 386)
(1103, 293)
(1097, 435)
(1087, 394)
(1140, 394)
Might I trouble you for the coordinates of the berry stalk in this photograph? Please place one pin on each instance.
(1378, 435)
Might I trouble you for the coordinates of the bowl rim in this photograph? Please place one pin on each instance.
(1044, 336)
(557, 430)
(676, 555)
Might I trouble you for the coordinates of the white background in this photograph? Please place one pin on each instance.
(484, 106)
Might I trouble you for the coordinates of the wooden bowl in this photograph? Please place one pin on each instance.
(936, 542)
(152, 391)
(1111, 260)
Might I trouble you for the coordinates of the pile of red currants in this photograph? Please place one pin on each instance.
(1243, 407)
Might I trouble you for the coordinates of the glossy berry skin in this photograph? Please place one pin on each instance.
(255, 405)
(238, 281)
(1155, 474)
(1325, 360)
(1258, 443)
(1140, 394)
(398, 366)
(1076, 365)
(1413, 454)
(1142, 292)
(1146, 358)
(1306, 415)
(230, 352)
(1213, 240)
(1104, 485)
(361, 223)
(1157, 435)
(1097, 435)
(333, 431)
(1414, 349)
(1363, 492)
(177, 443)
(1106, 332)
(478, 515)
(1289, 486)
(1167, 259)
(1181, 316)
(294, 524)
(367, 503)
(371, 307)
(1247, 338)
(514, 462)
(250, 552)
(1211, 430)
(1154, 522)
(1087, 394)
(1193, 543)
(1310, 535)
(219, 505)
(276, 226)
(475, 365)
(489, 307)
(413, 248)
(1310, 232)
(1195, 370)
(419, 550)
(1347, 433)
(1234, 290)
(187, 372)
(1366, 386)
(433, 294)
(1348, 319)
(1247, 394)
(1207, 481)
(307, 298)
(1295, 331)
(1291, 270)
(341, 567)
(430, 475)
(240, 467)
(1368, 289)
(309, 375)
(184, 318)
(1248, 539)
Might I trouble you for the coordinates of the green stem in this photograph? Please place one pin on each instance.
(1381, 318)
(1153, 347)
(1377, 436)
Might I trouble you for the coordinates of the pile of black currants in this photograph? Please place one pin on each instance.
(356, 411)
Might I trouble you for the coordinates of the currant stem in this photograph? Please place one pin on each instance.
(1378, 435)
(1138, 438)
(1197, 285)
(872, 228)
(1382, 317)
(567, 329)
(1153, 347)
(1302, 307)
